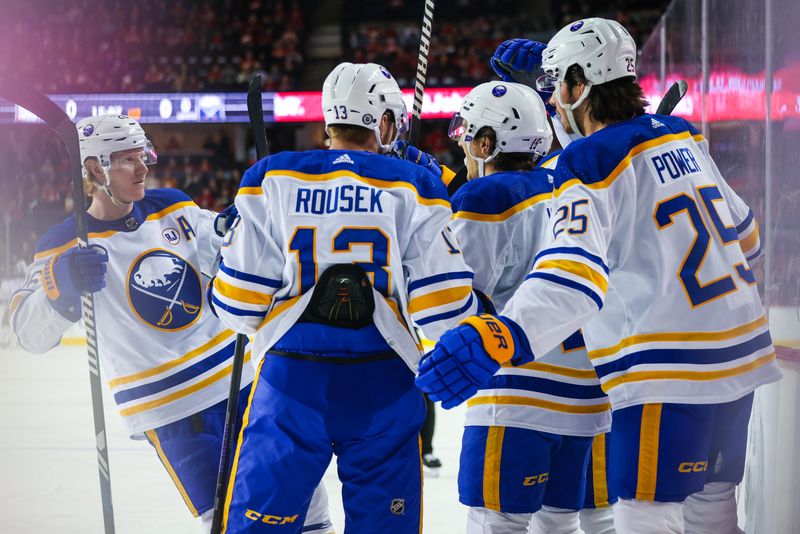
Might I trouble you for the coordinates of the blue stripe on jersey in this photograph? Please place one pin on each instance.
(235, 311)
(572, 250)
(178, 378)
(446, 315)
(501, 191)
(247, 277)
(568, 283)
(574, 342)
(591, 159)
(365, 164)
(688, 356)
(430, 280)
(546, 386)
(316, 526)
(755, 254)
(154, 200)
(746, 222)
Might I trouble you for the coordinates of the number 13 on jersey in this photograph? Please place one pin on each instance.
(304, 245)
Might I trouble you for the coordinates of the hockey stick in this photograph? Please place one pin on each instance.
(422, 70)
(672, 97)
(256, 113)
(54, 117)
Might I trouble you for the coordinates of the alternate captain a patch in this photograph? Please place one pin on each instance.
(164, 290)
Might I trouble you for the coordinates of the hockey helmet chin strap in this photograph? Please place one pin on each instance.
(481, 161)
(568, 108)
(105, 187)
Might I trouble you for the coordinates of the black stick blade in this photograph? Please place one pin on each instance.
(672, 98)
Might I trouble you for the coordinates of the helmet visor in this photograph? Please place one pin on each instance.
(458, 125)
(546, 82)
(146, 155)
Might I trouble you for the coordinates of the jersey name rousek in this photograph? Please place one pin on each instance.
(344, 198)
(673, 164)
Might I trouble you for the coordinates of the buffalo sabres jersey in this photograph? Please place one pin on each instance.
(501, 222)
(163, 352)
(649, 252)
(301, 213)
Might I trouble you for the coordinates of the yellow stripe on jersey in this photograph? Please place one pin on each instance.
(679, 337)
(599, 482)
(15, 302)
(497, 217)
(648, 452)
(108, 233)
(547, 162)
(385, 184)
(557, 370)
(626, 161)
(242, 295)
(240, 439)
(153, 437)
(438, 298)
(216, 340)
(578, 269)
(638, 376)
(219, 375)
(539, 403)
(491, 467)
(750, 241)
(254, 190)
(279, 309)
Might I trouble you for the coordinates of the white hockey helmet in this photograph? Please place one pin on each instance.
(515, 113)
(101, 136)
(602, 48)
(359, 94)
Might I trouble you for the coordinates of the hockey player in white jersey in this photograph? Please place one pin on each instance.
(166, 357)
(529, 431)
(649, 254)
(335, 256)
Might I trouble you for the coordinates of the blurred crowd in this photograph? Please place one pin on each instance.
(468, 31)
(96, 46)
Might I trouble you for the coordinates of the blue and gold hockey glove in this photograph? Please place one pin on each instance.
(224, 220)
(467, 356)
(520, 60)
(66, 276)
(403, 150)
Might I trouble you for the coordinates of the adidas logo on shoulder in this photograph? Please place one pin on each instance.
(344, 158)
(656, 123)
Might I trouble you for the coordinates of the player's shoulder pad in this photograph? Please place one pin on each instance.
(593, 159)
(366, 165)
(500, 192)
(156, 200)
(57, 236)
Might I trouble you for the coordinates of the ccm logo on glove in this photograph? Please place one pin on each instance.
(496, 337)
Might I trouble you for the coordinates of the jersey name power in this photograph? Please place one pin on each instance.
(163, 354)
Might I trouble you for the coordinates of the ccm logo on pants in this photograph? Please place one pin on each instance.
(269, 519)
(693, 467)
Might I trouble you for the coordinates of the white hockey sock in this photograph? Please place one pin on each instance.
(598, 520)
(712, 511)
(648, 517)
(551, 520)
(318, 511)
(484, 521)
(206, 519)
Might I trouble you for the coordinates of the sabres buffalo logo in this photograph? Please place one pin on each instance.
(164, 290)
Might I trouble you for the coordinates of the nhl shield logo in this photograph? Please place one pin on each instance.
(164, 290)
(398, 506)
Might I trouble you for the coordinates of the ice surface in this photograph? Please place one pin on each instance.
(48, 464)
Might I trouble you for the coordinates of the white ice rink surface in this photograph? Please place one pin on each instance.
(48, 467)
